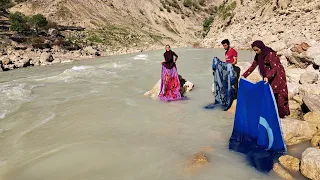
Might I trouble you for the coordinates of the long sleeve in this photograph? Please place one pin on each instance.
(174, 54)
(273, 64)
(251, 69)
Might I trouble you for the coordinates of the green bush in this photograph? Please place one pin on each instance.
(201, 2)
(225, 11)
(18, 22)
(207, 23)
(187, 3)
(38, 21)
(5, 4)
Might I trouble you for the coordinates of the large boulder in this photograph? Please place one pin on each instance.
(296, 131)
(310, 163)
(312, 101)
(313, 116)
(5, 60)
(309, 77)
(290, 163)
(293, 74)
(46, 57)
(309, 89)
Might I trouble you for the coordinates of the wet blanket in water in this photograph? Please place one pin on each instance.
(224, 79)
(257, 130)
(170, 85)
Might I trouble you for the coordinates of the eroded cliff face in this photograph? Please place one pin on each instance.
(280, 23)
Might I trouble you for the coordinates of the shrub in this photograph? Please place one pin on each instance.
(187, 3)
(5, 4)
(18, 22)
(207, 23)
(224, 11)
(38, 21)
(201, 2)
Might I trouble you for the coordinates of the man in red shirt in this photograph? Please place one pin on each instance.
(232, 58)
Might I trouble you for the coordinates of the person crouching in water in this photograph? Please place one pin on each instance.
(170, 84)
(231, 56)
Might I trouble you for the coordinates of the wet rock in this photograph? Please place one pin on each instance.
(312, 101)
(196, 162)
(313, 116)
(281, 172)
(296, 131)
(46, 57)
(290, 163)
(9, 67)
(309, 78)
(310, 163)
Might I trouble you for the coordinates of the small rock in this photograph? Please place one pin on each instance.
(290, 163)
(282, 172)
(90, 51)
(312, 116)
(6, 61)
(298, 99)
(294, 105)
(310, 163)
(46, 57)
(53, 32)
(312, 101)
(196, 162)
(315, 141)
(284, 61)
(309, 78)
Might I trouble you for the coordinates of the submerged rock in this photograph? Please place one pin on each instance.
(197, 161)
(310, 163)
(281, 172)
(290, 163)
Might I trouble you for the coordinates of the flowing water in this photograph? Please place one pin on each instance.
(90, 121)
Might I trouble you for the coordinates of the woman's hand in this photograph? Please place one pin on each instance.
(266, 80)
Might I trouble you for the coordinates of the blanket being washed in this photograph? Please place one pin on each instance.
(170, 85)
(224, 79)
(257, 130)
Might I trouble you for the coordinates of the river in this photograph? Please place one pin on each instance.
(90, 120)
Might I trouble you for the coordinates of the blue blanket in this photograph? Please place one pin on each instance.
(257, 130)
(224, 79)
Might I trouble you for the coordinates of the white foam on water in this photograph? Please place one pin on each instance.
(81, 73)
(13, 96)
(141, 57)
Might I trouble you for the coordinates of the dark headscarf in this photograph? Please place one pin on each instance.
(260, 57)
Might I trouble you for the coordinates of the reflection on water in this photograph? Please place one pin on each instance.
(90, 120)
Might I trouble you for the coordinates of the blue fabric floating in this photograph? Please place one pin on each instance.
(224, 79)
(257, 130)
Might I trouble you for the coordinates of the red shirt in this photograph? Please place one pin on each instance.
(230, 54)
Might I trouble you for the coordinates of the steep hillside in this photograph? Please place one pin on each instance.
(128, 22)
(280, 23)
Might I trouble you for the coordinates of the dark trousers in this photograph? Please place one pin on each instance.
(236, 84)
